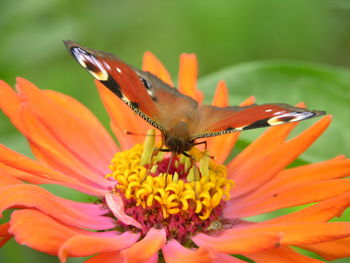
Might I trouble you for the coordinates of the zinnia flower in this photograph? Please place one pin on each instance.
(196, 213)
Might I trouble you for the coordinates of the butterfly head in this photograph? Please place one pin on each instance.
(177, 139)
(177, 145)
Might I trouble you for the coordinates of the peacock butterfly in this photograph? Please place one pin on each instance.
(180, 119)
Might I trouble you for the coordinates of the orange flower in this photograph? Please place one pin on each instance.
(195, 214)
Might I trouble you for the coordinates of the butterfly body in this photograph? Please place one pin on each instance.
(180, 118)
(177, 139)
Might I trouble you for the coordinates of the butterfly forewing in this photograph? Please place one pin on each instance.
(120, 78)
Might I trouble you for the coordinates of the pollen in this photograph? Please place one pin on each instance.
(158, 188)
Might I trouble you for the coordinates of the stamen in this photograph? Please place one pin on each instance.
(157, 191)
(149, 144)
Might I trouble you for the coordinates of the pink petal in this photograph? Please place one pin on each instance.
(116, 205)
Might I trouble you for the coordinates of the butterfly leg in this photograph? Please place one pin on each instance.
(162, 150)
(205, 142)
(189, 156)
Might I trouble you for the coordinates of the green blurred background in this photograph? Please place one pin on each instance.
(281, 51)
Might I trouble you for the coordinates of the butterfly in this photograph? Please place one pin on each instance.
(180, 118)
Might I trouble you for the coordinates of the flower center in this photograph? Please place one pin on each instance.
(181, 194)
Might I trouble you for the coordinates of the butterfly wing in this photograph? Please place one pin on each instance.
(173, 105)
(148, 96)
(216, 121)
(164, 107)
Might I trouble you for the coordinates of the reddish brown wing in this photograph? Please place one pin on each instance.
(173, 105)
(216, 121)
(164, 107)
(149, 97)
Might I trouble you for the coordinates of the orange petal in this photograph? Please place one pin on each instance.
(252, 175)
(75, 108)
(174, 252)
(220, 258)
(32, 196)
(153, 65)
(115, 257)
(110, 257)
(146, 248)
(54, 154)
(153, 259)
(40, 232)
(31, 171)
(6, 178)
(221, 146)
(320, 212)
(258, 149)
(282, 254)
(73, 131)
(188, 73)
(123, 118)
(331, 250)
(294, 196)
(220, 98)
(10, 103)
(293, 177)
(83, 246)
(4, 234)
(26, 177)
(289, 233)
(62, 118)
(239, 243)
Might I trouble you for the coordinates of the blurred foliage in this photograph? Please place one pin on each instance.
(222, 33)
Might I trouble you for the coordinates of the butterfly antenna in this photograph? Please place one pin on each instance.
(139, 134)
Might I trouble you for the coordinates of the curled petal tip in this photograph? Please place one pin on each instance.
(115, 203)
